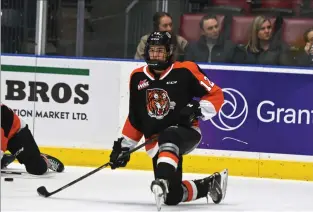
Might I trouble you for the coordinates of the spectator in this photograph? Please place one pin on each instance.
(262, 47)
(305, 57)
(210, 47)
(162, 21)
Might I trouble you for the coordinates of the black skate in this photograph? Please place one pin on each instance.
(6, 160)
(160, 189)
(217, 185)
(53, 163)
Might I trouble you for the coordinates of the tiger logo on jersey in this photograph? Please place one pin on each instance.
(158, 103)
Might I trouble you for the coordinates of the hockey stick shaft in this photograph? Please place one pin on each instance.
(11, 172)
(43, 192)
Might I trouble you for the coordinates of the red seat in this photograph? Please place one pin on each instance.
(190, 28)
(279, 7)
(287, 4)
(297, 4)
(293, 30)
(233, 3)
(240, 27)
(283, 4)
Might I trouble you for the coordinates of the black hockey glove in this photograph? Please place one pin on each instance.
(117, 152)
(189, 113)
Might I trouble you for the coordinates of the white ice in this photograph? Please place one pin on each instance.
(128, 190)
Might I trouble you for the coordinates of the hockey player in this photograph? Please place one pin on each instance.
(18, 140)
(162, 107)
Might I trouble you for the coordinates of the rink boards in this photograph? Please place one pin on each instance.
(77, 107)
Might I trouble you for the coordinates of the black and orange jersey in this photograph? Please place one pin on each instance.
(10, 125)
(156, 101)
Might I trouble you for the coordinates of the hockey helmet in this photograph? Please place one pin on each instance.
(160, 39)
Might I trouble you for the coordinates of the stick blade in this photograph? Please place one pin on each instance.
(42, 191)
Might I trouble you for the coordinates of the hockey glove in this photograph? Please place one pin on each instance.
(190, 113)
(117, 152)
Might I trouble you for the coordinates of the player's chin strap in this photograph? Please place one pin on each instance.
(42, 191)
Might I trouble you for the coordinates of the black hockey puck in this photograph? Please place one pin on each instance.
(9, 179)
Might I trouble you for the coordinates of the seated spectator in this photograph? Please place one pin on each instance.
(263, 47)
(162, 21)
(210, 47)
(305, 56)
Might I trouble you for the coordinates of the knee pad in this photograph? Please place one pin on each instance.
(36, 165)
(23, 146)
(169, 140)
(168, 156)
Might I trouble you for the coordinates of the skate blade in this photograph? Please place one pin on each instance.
(224, 181)
(158, 196)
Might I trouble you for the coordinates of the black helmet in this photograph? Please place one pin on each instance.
(160, 39)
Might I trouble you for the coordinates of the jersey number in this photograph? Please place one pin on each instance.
(207, 84)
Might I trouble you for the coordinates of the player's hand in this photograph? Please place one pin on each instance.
(116, 153)
(189, 113)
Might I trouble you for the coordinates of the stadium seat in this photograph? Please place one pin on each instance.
(242, 4)
(297, 6)
(278, 7)
(277, 4)
(240, 26)
(307, 10)
(189, 25)
(293, 30)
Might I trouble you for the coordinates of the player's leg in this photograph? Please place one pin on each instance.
(173, 143)
(6, 160)
(172, 185)
(23, 146)
(168, 163)
(10, 124)
(213, 186)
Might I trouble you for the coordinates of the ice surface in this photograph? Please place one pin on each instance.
(128, 190)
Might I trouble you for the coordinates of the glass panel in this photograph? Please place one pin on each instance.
(113, 29)
(18, 24)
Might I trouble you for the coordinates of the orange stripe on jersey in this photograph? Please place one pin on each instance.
(137, 70)
(152, 148)
(189, 189)
(153, 143)
(131, 132)
(216, 97)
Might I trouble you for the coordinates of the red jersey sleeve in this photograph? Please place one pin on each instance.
(211, 95)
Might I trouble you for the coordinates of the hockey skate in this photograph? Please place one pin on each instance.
(53, 163)
(6, 160)
(160, 189)
(217, 185)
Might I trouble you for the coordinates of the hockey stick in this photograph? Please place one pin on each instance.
(23, 175)
(11, 172)
(42, 191)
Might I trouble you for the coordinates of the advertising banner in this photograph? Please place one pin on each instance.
(262, 112)
(74, 106)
